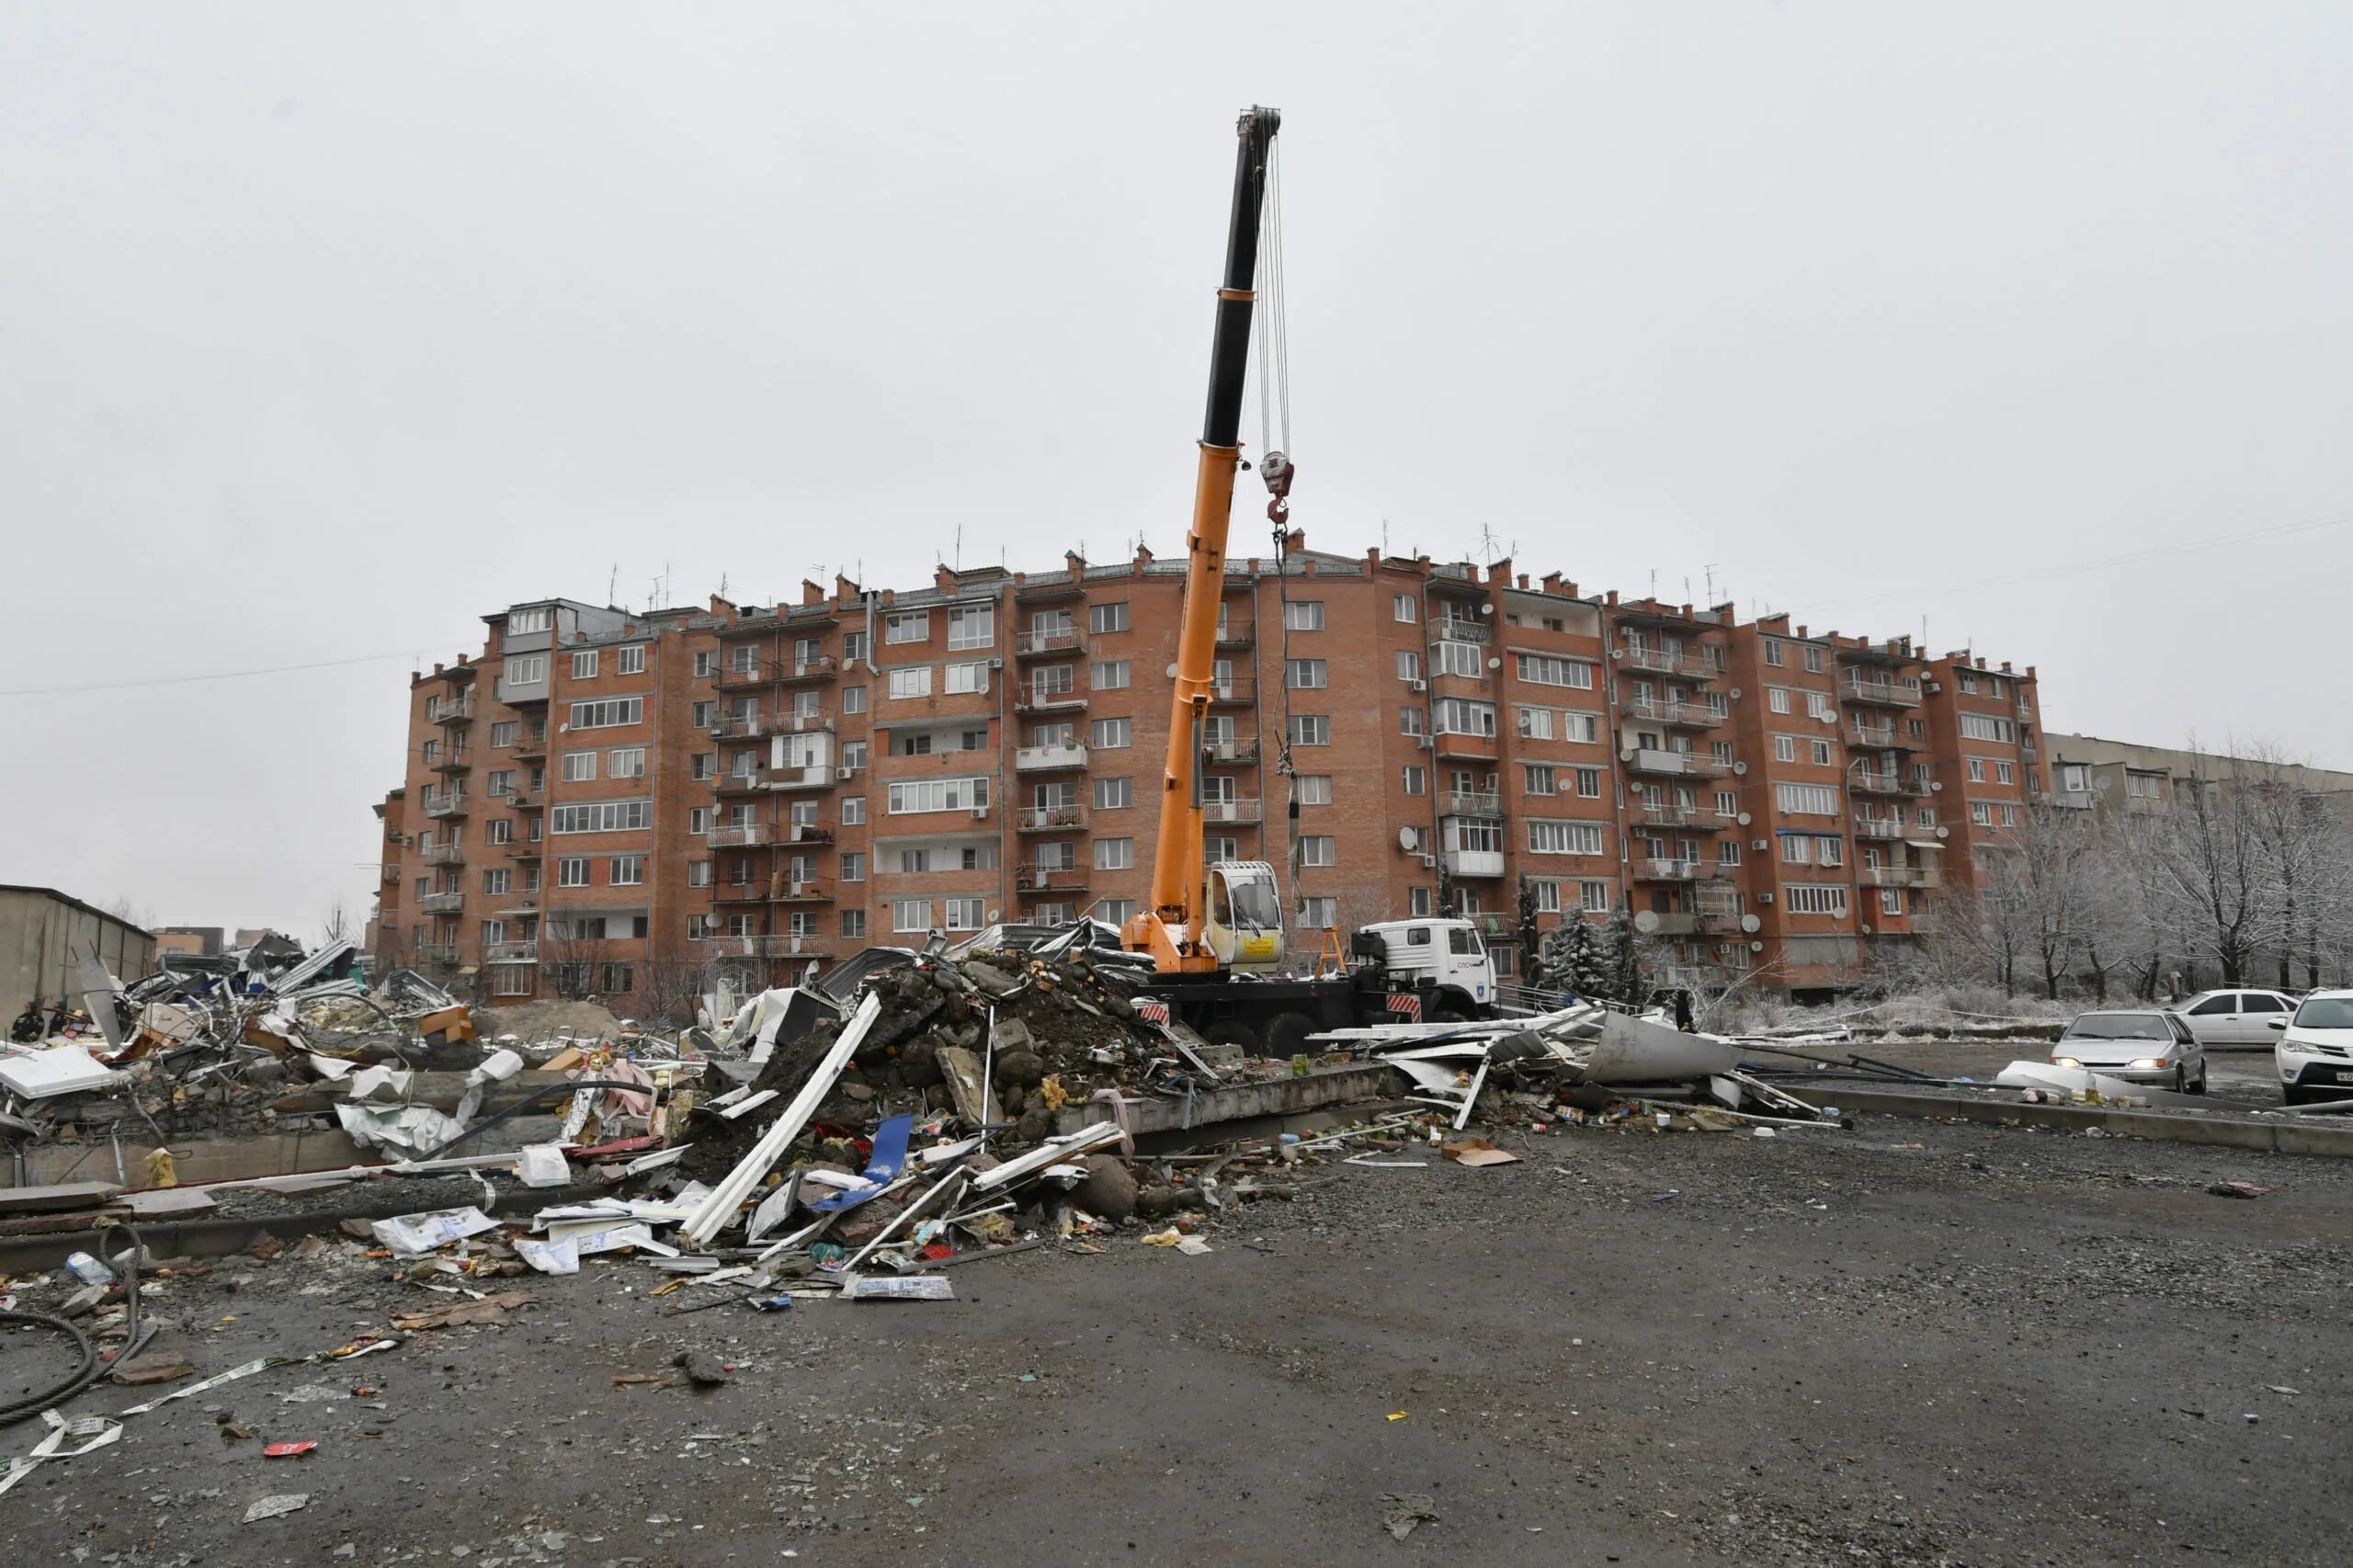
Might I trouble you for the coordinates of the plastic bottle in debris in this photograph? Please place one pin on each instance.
(88, 1270)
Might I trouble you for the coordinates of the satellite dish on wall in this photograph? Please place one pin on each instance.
(1749, 923)
(1646, 922)
(1405, 838)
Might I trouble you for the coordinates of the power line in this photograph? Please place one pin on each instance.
(216, 674)
(2098, 563)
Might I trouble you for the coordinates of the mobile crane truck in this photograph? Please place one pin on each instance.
(1215, 933)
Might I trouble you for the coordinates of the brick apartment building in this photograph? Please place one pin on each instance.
(604, 797)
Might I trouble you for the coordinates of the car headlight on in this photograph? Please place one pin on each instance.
(2149, 1063)
(2064, 1062)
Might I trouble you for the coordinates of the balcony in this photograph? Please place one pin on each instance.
(1230, 753)
(1651, 868)
(738, 675)
(1049, 759)
(1898, 877)
(1674, 715)
(526, 800)
(795, 672)
(1233, 813)
(783, 945)
(1459, 804)
(458, 709)
(448, 903)
(809, 833)
(437, 952)
(1879, 827)
(523, 851)
(1672, 923)
(1028, 700)
(444, 855)
(1701, 819)
(784, 890)
(1237, 639)
(1659, 662)
(738, 727)
(457, 759)
(532, 745)
(390, 872)
(455, 805)
(1675, 764)
(816, 776)
(739, 893)
(1871, 781)
(1046, 644)
(1050, 819)
(736, 784)
(1049, 878)
(1234, 692)
(743, 835)
(1478, 747)
(1881, 693)
(1449, 629)
(510, 952)
(1474, 862)
(1872, 737)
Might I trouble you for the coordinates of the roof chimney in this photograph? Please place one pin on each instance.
(844, 588)
(811, 593)
(1294, 541)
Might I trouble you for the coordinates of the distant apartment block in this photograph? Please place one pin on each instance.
(601, 799)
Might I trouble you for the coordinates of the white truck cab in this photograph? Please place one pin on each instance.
(1442, 958)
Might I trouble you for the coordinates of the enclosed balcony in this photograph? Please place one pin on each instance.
(1674, 764)
(1478, 863)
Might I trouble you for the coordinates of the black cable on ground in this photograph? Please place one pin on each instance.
(125, 1266)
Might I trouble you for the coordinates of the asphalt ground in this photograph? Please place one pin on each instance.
(1913, 1343)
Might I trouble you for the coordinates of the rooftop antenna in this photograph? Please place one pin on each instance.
(1710, 569)
(960, 547)
(723, 584)
(1653, 582)
(613, 583)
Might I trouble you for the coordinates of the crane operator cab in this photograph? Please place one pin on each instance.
(1246, 924)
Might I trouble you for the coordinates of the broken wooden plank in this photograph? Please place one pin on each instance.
(975, 1104)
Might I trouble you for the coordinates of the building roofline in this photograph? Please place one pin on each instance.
(69, 898)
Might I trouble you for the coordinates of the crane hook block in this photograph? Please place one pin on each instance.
(1276, 470)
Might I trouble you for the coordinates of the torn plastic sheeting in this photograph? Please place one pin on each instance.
(737, 1185)
(541, 1165)
(587, 1237)
(404, 1129)
(415, 1234)
(562, 1257)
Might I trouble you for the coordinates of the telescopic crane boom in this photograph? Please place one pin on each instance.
(1199, 924)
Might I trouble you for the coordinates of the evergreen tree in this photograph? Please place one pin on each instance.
(1622, 958)
(1532, 940)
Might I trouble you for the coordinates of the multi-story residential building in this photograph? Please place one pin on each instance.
(2089, 772)
(601, 799)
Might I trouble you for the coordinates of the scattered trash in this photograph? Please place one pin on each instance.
(416, 1234)
(272, 1507)
(1404, 1512)
(904, 1288)
(1398, 1415)
(703, 1369)
(1477, 1151)
(2243, 1189)
(287, 1451)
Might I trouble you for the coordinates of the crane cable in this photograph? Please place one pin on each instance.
(1270, 321)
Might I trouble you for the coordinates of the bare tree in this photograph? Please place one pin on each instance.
(669, 987)
(572, 956)
(2215, 871)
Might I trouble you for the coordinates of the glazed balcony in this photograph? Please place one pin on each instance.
(1049, 759)
(1475, 863)
(1674, 764)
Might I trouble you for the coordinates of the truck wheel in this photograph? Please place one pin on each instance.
(1449, 1015)
(1287, 1033)
(1232, 1031)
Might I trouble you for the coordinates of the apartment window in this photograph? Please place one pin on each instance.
(1594, 896)
(2141, 786)
(697, 821)
(914, 627)
(910, 680)
(630, 661)
(1797, 848)
(1820, 750)
(571, 872)
(1891, 900)
(1115, 854)
(1817, 706)
(432, 753)
(1814, 658)
(1785, 748)
(499, 831)
(1303, 615)
(698, 873)
(2009, 817)
(1402, 608)
(1409, 664)
(703, 765)
(742, 816)
(1110, 674)
(1925, 817)
(1311, 730)
(2004, 773)
(1110, 734)
(1728, 852)
(702, 714)
(741, 925)
(1777, 698)
(608, 714)
(502, 733)
(1417, 779)
(1564, 838)
(629, 763)
(1535, 723)
(972, 626)
(964, 915)
(1986, 727)
(1319, 913)
(1112, 794)
(1540, 778)
(1915, 728)
(1108, 617)
(584, 665)
(602, 816)
(853, 754)
(1304, 674)
(579, 767)
(2075, 779)
(1773, 651)
(519, 621)
(1806, 799)
(526, 669)
(1409, 721)
(1980, 813)
(1976, 766)
(1418, 903)
(496, 883)
(853, 699)
(1312, 789)
(502, 781)
(853, 866)
(1969, 682)
(1543, 669)
(699, 927)
(1548, 895)
(744, 659)
(1318, 849)
(1115, 911)
(854, 647)
(626, 871)
(1814, 898)
(706, 663)
(1589, 783)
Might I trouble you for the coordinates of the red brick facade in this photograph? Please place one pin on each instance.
(636, 796)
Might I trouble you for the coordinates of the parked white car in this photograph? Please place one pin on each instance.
(2315, 1050)
(2140, 1045)
(2222, 1020)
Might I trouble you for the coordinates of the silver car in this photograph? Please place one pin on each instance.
(2238, 1019)
(2140, 1045)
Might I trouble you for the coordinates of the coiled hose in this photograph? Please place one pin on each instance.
(125, 1266)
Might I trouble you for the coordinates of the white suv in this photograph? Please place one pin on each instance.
(2315, 1049)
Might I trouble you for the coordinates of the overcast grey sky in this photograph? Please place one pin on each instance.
(325, 329)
